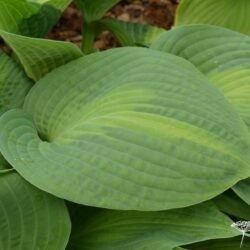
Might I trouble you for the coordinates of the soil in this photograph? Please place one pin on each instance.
(159, 13)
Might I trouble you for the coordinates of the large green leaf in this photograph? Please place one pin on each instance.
(30, 218)
(231, 204)
(242, 189)
(30, 18)
(40, 56)
(129, 128)
(227, 13)
(94, 9)
(129, 34)
(222, 244)
(120, 230)
(221, 54)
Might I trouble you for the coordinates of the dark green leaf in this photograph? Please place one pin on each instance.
(120, 230)
(30, 18)
(30, 218)
(231, 204)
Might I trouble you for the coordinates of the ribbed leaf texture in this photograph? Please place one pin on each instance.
(221, 54)
(40, 56)
(30, 218)
(230, 14)
(14, 85)
(224, 57)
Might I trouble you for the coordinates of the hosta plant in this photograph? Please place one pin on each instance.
(131, 148)
(128, 142)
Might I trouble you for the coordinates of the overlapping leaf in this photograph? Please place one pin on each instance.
(30, 218)
(23, 206)
(40, 56)
(14, 85)
(242, 189)
(129, 128)
(129, 34)
(30, 18)
(222, 55)
(107, 229)
(231, 204)
(227, 13)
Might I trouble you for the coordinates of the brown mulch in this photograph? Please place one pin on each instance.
(159, 13)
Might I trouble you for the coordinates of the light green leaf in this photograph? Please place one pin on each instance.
(40, 56)
(222, 244)
(30, 218)
(227, 13)
(230, 203)
(242, 189)
(95, 9)
(222, 55)
(128, 128)
(30, 18)
(129, 34)
(119, 230)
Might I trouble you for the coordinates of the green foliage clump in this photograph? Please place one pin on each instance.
(140, 147)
